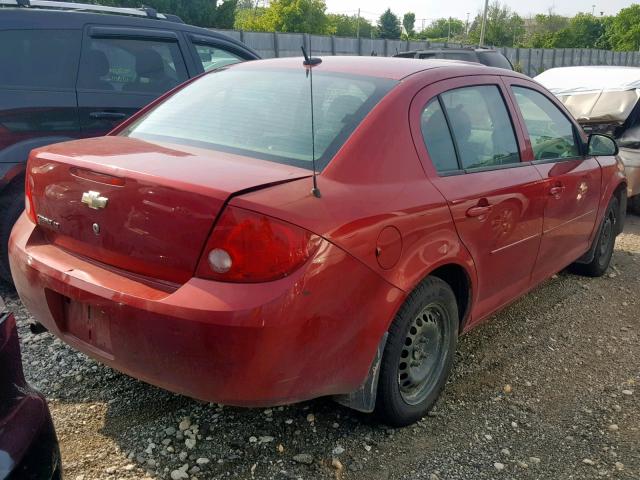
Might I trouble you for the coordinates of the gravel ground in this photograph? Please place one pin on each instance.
(547, 389)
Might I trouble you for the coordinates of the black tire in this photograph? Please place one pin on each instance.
(604, 243)
(11, 207)
(419, 354)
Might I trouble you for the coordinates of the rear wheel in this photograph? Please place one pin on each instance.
(605, 243)
(419, 353)
(11, 206)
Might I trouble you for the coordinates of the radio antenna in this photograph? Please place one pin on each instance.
(309, 63)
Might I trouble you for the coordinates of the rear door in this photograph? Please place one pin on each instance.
(471, 149)
(122, 70)
(572, 180)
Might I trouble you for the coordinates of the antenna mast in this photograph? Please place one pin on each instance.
(311, 62)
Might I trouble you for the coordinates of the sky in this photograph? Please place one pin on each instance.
(432, 9)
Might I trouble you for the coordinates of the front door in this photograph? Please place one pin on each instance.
(572, 180)
(495, 198)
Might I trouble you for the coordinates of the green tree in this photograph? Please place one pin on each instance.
(347, 25)
(409, 23)
(544, 29)
(504, 27)
(302, 16)
(625, 29)
(389, 25)
(439, 29)
(203, 13)
(251, 19)
(583, 31)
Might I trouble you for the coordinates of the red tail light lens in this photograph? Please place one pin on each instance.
(250, 247)
(28, 198)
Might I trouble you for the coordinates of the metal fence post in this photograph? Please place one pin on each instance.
(386, 47)
(333, 45)
(276, 49)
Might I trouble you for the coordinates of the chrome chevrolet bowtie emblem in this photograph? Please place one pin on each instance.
(94, 200)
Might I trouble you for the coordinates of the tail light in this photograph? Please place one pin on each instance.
(28, 198)
(250, 247)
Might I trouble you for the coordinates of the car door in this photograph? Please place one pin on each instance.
(572, 180)
(122, 70)
(471, 150)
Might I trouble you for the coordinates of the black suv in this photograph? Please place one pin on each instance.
(71, 70)
(486, 56)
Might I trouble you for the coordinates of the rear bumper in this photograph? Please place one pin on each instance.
(312, 334)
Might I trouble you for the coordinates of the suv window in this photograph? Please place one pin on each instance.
(215, 57)
(26, 54)
(127, 65)
(551, 133)
(437, 138)
(481, 126)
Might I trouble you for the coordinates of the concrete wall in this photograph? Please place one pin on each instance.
(531, 61)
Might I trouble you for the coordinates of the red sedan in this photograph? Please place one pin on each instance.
(188, 249)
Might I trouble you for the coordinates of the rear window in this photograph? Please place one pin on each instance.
(265, 113)
(42, 59)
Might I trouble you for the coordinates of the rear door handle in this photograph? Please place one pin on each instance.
(108, 115)
(478, 211)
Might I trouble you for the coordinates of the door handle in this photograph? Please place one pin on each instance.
(478, 211)
(108, 115)
(557, 190)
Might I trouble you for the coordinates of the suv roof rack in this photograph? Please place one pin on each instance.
(146, 12)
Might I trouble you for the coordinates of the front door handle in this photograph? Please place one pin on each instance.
(479, 211)
(556, 191)
(108, 115)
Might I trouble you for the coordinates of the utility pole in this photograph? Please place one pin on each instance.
(358, 25)
(466, 27)
(593, 10)
(484, 22)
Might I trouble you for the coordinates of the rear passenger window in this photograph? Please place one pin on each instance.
(481, 127)
(136, 66)
(43, 59)
(214, 57)
(437, 138)
(551, 133)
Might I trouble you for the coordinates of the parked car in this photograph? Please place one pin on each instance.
(604, 99)
(486, 56)
(187, 248)
(28, 445)
(73, 70)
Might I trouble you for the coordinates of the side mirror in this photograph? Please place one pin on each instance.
(602, 145)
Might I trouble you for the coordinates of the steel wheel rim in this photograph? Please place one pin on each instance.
(422, 354)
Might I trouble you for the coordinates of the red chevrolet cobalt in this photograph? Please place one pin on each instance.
(188, 249)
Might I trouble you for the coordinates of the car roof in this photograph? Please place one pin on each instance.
(382, 67)
(590, 79)
(450, 49)
(16, 18)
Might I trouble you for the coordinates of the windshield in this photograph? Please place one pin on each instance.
(264, 113)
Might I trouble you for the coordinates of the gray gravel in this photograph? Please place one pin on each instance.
(547, 389)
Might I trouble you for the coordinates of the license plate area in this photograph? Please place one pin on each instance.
(87, 322)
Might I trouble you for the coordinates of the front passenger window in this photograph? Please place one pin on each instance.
(551, 133)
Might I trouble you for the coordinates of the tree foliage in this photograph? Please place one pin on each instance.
(439, 29)
(300, 16)
(347, 25)
(389, 25)
(409, 24)
(203, 13)
(504, 27)
(624, 29)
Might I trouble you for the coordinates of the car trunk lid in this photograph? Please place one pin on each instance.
(148, 208)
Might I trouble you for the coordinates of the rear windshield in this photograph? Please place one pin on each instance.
(264, 114)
